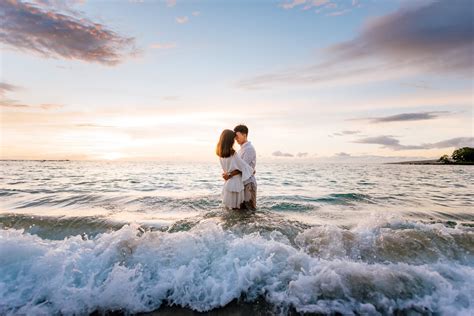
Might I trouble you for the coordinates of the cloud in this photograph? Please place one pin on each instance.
(343, 133)
(93, 125)
(308, 4)
(196, 13)
(43, 30)
(388, 141)
(171, 98)
(7, 103)
(410, 41)
(332, 7)
(417, 36)
(182, 19)
(342, 154)
(350, 132)
(291, 4)
(281, 154)
(6, 87)
(170, 3)
(63, 5)
(454, 142)
(317, 74)
(163, 45)
(49, 106)
(421, 85)
(338, 13)
(301, 155)
(404, 117)
(366, 158)
(15, 104)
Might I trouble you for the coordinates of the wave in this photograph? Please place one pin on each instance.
(377, 268)
(112, 203)
(107, 201)
(14, 199)
(395, 241)
(58, 228)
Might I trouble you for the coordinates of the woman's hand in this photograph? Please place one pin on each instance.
(228, 175)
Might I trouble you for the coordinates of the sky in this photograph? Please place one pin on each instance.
(160, 79)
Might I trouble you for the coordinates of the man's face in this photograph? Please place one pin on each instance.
(240, 138)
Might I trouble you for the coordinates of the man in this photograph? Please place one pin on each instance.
(248, 154)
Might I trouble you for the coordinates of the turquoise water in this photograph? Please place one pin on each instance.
(326, 238)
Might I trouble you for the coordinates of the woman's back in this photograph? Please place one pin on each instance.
(228, 164)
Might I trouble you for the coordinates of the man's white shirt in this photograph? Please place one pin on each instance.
(248, 154)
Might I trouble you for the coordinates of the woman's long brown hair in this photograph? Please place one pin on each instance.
(225, 145)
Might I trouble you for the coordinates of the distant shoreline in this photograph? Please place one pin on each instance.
(428, 162)
(35, 160)
(415, 162)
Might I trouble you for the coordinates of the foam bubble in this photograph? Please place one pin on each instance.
(207, 267)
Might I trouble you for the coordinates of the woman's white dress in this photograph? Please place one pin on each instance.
(233, 190)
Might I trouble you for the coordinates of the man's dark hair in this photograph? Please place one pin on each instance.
(242, 129)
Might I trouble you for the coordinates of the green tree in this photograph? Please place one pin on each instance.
(444, 159)
(464, 154)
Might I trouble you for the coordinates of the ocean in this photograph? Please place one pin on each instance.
(81, 237)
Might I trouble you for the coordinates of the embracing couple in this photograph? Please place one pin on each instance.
(240, 187)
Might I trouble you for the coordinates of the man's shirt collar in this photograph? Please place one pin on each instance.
(245, 145)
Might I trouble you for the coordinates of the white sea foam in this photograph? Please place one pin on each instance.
(207, 267)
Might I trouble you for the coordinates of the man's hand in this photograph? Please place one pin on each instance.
(225, 176)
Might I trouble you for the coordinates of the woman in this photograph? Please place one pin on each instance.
(233, 190)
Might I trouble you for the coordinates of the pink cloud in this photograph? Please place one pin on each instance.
(45, 31)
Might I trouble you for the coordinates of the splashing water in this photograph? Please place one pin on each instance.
(79, 237)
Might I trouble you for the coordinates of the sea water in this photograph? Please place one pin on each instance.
(375, 239)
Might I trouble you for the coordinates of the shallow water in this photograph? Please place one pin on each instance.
(78, 237)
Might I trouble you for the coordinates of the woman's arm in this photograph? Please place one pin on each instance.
(228, 175)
